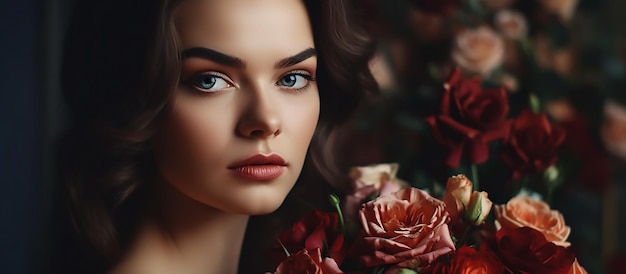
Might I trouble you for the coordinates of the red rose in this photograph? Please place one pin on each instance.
(468, 260)
(308, 262)
(532, 144)
(470, 118)
(525, 250)
(315, 229)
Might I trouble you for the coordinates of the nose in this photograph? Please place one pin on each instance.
(260, 118)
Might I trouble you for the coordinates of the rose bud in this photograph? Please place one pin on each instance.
(457, 195)
(478, 209)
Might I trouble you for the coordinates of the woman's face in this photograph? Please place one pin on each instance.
(246, 106)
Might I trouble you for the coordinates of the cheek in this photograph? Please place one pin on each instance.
(303, 118)
(190, 137)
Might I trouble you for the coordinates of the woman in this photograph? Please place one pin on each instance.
(187, 117)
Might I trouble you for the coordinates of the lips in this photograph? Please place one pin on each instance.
(260, 167)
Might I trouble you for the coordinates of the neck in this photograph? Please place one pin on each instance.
(205, 239)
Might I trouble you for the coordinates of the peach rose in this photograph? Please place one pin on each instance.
(511, 24)
(577, 269)
(306, 262)
(457, 195)
(564, 9)
(525, 211)
(407, 228)
(478, 50)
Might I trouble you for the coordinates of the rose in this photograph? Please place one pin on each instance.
(562, 8)
(315, 229)
(525, 211)
(532, 143)
(381, 176)
(478, 209)
(525, 250)
(613, 130)
(457, 195)
(306, 262)
(478, 50)
(407, 228)
(460, 200)
(469, 118)
(497, 4)
(511, 24)
(467, 260)
(369, 181)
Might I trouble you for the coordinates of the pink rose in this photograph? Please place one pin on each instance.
(479, 50)
(525, 211)
(407, 228)
(306, 262)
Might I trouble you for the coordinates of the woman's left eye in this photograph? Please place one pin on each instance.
(295, 80)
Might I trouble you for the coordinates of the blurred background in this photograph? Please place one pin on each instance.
(565, 58)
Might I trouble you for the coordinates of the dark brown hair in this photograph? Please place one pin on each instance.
(121, 64)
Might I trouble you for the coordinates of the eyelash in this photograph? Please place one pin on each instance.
(302, 73)
(194, 81)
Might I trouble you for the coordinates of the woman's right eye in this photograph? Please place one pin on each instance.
(209, 82)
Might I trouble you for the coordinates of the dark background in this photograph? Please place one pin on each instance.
(31, 118)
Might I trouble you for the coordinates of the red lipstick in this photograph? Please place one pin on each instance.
(260, 167)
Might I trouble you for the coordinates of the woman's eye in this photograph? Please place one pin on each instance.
(210, 82)
(295, 80)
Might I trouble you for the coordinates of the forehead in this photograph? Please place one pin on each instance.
(243, 27)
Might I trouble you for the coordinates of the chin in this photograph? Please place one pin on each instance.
(259, 205)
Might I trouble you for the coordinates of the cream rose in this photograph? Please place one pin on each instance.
(407, 228)
(511, 24)
(479, 208)
(478, 50)
(525, 211)
(368, 181)
(462, 202)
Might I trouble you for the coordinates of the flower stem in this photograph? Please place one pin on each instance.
(475, 177)
(335, 201)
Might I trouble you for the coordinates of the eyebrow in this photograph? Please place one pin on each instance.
(232, 61)
(214, 56)
(292, 60)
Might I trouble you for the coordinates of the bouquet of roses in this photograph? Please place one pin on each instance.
(409, 231)
(387, 226)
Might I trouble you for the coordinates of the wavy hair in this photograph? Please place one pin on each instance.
(120, 67)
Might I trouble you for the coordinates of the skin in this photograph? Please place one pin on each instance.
(239, 110)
